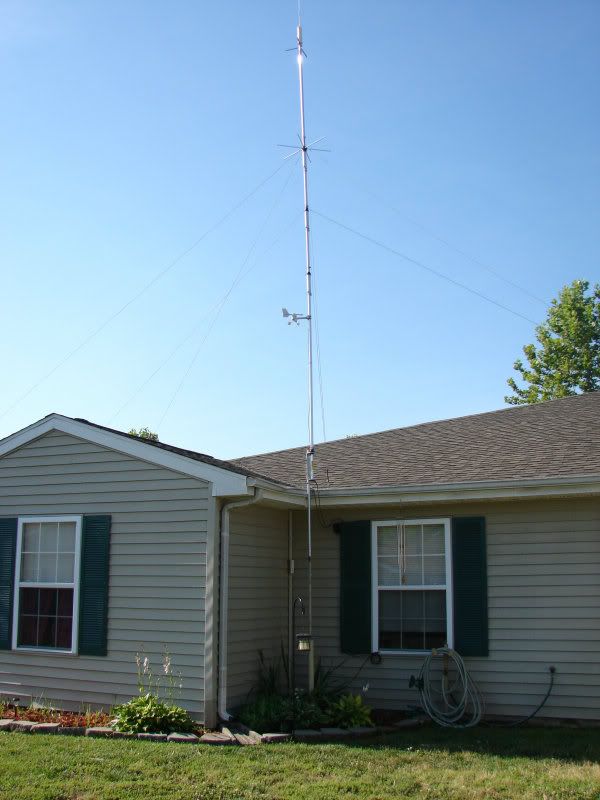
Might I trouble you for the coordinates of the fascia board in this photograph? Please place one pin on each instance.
(577, 487)
(224, 483)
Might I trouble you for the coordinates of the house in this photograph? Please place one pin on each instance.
(480, 531)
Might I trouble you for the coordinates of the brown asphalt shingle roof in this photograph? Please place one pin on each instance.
(558, 438)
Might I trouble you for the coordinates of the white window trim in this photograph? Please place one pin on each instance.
(445, 521)
(75, 585)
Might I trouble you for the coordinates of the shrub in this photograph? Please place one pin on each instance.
(268, 709)
(350, 711)
(303, 711)
(149, 714)
(264, 713)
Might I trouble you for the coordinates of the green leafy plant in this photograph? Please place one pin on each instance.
(269, 676)
(302, 710)
(350, 712)
(264, 712)
(144, 433)
(149, 714)
(328, 686)
(268, 709)
(149, 683)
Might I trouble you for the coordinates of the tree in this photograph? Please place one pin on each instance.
(566, 359)
(144, 433)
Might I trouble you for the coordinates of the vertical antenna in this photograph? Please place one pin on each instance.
(311, 444)
(295, 318)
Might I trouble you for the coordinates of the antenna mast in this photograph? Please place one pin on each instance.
(295, 318)
(310, 450)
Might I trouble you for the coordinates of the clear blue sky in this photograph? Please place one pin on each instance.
(128, 129)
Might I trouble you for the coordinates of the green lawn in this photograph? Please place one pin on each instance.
(428, 763)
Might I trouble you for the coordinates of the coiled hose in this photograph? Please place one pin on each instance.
(448, 693)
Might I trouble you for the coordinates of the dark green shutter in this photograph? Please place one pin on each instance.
(8, 547)
(93, 588)
(355, 587)
(469, 567)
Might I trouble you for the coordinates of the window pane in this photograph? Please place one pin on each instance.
(388, 556)
(387, 541)
(64, 569)
(47, 569)
(31, 537)
(435, 619)
(412, 620)
(29, 567)
(65, 602)
(435, 570)
(413, 571)
(434, 539)
(66, 537)
(390, 620)
(27, 631)
(29, 601)
(48, 598)
(49, 537)
(46, 632)
(412, 540)
(389, 572)
(45, 618)
(64, 632)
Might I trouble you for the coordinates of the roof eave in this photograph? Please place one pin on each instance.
(224, 483)
(524, 488)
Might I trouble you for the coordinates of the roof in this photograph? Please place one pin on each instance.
(193, 454)
(558, 438)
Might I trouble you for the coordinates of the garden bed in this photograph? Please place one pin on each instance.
(65, 719)
(37, 719)
(97, 725)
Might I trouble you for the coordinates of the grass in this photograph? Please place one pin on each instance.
(545, 764)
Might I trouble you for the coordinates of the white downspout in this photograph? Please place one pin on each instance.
(224, 599)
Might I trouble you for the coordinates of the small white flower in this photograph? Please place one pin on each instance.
(365, 688)
(146, 665)
(167, 665)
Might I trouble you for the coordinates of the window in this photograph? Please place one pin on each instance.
(412, 585)
(47, 583)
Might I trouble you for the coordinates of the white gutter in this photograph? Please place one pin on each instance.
(577, 486)
(224, 599)
(523, 488)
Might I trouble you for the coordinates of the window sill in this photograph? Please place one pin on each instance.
(44, 651)
(404, 652)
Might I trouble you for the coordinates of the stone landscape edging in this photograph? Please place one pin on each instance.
(226, 736)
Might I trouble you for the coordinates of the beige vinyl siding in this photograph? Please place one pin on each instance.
(544, 607)
(157, 567)
(258, 595)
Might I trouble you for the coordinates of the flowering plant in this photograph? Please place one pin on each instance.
(149, 683)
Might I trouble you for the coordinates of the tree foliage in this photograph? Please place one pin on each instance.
(144, 433)
(566, 358)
